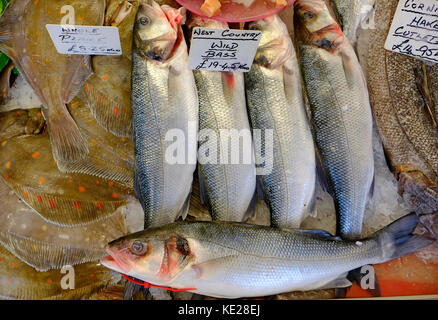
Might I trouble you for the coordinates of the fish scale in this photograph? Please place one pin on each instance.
(343, 129)
(230, 260)
(402, 117)
(163, 98)
(275, 102)
(149, 165)
(229, 187)
(413, 117)
(351, 13)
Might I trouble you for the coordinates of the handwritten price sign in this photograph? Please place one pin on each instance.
(223, 49)
(414, 29)
(87, 40)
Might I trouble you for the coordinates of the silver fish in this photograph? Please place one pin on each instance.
(227, 188)
(163, 98)
(275, 102)
(230, 260)
(351, 13)
(341, 113)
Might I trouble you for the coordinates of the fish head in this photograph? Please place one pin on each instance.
(198, 21)
(154, 35)
(150, 255)
(275, 45)
(317, 26)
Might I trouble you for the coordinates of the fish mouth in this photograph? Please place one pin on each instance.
(114, 261)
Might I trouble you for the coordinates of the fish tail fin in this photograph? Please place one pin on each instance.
(397, 240)
(251, 211)
(67, 142)
(185, 208)
(9, 16)
(112, 115)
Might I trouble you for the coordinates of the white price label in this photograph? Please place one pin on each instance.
(414, 29)
(87, 40)
(223, 49)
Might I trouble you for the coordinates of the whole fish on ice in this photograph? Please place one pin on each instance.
(164, 100)
(231, 260)
(341, 113)
(227, 188)
(275, 103)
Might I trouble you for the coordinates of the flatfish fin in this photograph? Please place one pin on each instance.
(74, 78)
(110, 157)
(111, 113)
(68, 145)
(9, 16)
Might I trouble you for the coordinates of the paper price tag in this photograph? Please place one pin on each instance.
(86, 40)
(223, 49)
(414, 29)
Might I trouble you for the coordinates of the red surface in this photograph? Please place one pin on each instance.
(402, 277)
(234, 12)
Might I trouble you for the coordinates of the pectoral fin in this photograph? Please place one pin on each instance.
(338, 282)
(205, 270)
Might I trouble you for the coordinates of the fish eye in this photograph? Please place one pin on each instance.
(308, 15)
(138, 247)
(144, 20)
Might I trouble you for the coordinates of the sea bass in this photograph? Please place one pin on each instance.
(341, 113)
(404, 98)
(275, 102)
(55, 78)
(231, 260)
(227, 188)
(164, 104)
(351, 13)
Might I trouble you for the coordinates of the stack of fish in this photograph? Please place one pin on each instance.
(229, 259)
(65, 184)
(110, 138)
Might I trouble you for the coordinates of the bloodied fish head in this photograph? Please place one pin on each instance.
(198, 21)
(275, 45)
(149, 255)
(317, 26)
(154, 34)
